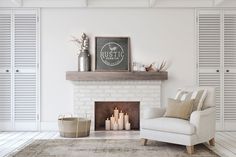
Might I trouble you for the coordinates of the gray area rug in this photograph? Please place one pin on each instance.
(107, 148)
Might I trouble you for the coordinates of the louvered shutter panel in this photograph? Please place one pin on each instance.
(5, 66)
(209, 53)
(230, 66)
(19, 73)
(25, 67)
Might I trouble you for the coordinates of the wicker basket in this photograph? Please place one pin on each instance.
(74, 127)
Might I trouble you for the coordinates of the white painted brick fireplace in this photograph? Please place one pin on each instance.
(87, 92)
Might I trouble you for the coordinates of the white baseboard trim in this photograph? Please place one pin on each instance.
(48, 126)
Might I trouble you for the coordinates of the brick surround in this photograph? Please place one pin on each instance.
(87, 92)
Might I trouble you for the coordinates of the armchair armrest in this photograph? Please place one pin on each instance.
(154, 113)
(204, 121)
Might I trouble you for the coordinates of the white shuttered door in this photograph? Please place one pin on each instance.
(5, 69)
(24, 71)
(209, 54)
(229, 69)
(217, 61)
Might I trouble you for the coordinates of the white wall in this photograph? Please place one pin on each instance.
(155, 34)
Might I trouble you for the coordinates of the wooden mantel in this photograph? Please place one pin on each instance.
(111, 76)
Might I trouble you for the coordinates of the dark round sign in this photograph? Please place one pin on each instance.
(112, 54)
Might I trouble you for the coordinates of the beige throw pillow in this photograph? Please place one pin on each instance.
(179, 109)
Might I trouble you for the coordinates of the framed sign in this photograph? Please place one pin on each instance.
(112, 54)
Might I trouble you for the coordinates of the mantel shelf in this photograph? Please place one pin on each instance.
(112, 76)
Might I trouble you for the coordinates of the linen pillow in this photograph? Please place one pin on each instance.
(198, 95)
(179, 109)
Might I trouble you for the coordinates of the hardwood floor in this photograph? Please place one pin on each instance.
(225, 142)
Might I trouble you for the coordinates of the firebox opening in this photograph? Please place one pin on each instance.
(105, 109)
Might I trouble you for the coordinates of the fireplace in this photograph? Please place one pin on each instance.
(86, 93)
(105, 109)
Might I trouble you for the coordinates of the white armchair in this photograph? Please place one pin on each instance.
(200, 128)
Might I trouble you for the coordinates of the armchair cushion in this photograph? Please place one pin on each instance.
(154, 112)
(172, 125)
(179, 109)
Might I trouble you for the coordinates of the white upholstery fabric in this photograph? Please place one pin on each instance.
(154, 113)
(210, 99)
(200, 128)
(172, 125)
(182, 139)
(204, 121)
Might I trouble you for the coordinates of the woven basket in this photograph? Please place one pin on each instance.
(73, 127)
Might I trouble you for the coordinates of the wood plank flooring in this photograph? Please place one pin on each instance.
(13, 141)
(225, 144)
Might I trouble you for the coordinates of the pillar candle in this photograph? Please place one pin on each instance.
(112, 121)
(121, 117)
(126, 119)
(116, 114)
(108, 124)
(120, 123)
(115, 126)
(127, 126)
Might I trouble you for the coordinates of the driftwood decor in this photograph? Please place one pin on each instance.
(157, 67)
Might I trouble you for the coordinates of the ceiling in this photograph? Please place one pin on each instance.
(118, 3)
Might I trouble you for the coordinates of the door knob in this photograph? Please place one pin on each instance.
(217, 70)
(7, 70)
(227, 71)
(17, 70)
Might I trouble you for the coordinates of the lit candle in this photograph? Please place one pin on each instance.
(120, 124)
(126, 119)
(121, 114)
(115, 126)
(121, 118)
(127, 126)
(112, 121)
(108, 124)
(116, 113)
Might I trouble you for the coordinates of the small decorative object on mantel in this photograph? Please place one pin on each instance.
(84, 62)
(112, 54)
(138, 66)
(156, 67)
